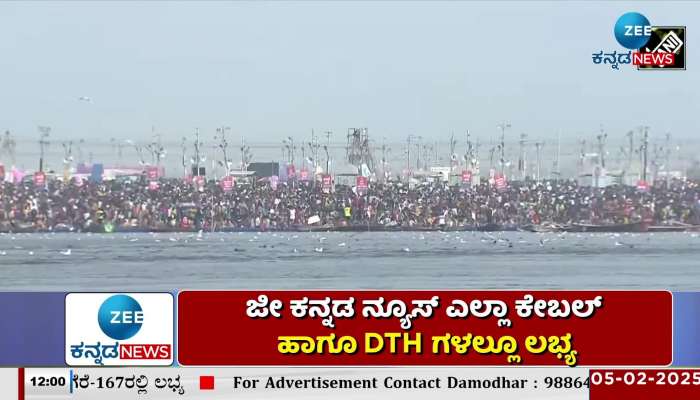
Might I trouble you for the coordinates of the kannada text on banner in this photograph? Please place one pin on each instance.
(567, 328)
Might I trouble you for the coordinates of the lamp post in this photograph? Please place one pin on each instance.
(408, 152)
(223, 144)
(326, 147)
(67, 159)
(184, 154)
(197, 156)
(246, 156)
(645, 148)
(43, 142)
(502, 126)
(602, 137)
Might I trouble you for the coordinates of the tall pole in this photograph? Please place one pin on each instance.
(328, 146)
(67, 159)
(214, 169)
(522, 163)
(246, 156)
(223, 145)
(503, 151)
(184, 155)
(645, 153)
(8, 146)
(476, 164)
(468, 158)
(538, 146)
(418, 148)
(291, 149)
(502, 145)
(667, 155)
(408, 154)
(153, 147)
(313, 148)
(630, 156)
(43, 142)
(452, 156)
(383, 152)
(436, 150)
(601, 146)
(556, 160)
(384, 159)
(196, 152)
(582, 157)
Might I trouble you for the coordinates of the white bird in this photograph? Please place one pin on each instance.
(31, 253)
(406, 249)
(318, 249)
(631, 246)
(341, 244)
(66, 252)
(3, 253)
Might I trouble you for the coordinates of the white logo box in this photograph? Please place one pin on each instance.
(82, 326)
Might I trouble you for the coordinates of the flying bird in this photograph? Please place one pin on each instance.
(85, 98)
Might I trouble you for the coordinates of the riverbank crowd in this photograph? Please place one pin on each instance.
(257, 205)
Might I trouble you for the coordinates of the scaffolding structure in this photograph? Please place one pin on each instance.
(358, 150)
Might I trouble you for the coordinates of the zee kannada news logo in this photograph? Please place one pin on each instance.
(120, 337)
(120, 317)
(649, 47)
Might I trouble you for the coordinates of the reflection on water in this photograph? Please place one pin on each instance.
(401, 260)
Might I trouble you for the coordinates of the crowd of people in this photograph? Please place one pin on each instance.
(258, 205)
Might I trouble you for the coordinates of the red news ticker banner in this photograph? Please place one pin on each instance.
(647, 384)
(571, 328)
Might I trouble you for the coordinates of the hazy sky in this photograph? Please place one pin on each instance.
(274, 69)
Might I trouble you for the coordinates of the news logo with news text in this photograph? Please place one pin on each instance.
(119, 329)
(648, 47)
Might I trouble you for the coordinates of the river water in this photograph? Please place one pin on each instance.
(400, 260)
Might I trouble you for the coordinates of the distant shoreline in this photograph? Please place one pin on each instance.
(636, 227)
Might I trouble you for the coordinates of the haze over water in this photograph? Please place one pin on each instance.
(271, 70)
